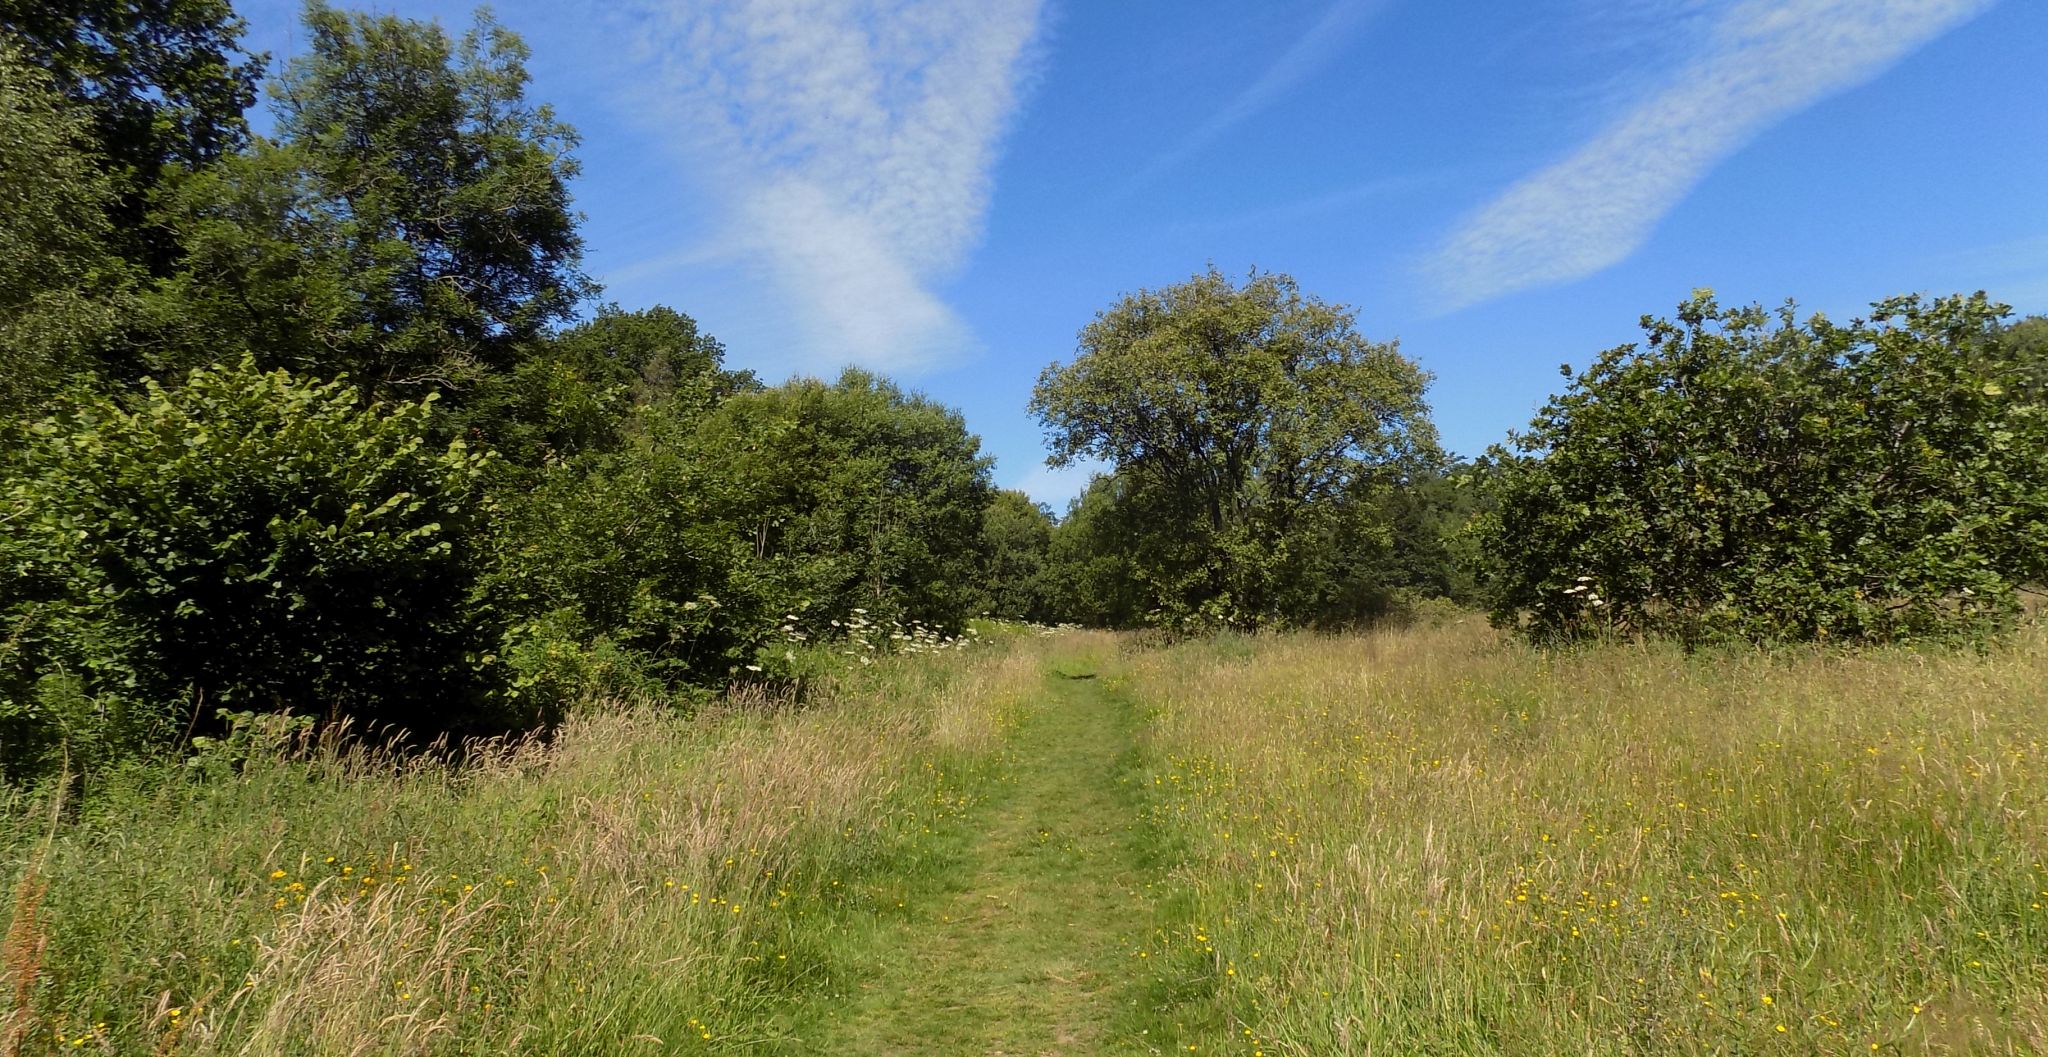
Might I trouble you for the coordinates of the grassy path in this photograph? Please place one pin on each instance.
(1020, 959)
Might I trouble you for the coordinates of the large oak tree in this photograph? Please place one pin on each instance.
(1251, 422)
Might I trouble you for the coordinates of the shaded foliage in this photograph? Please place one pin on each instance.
(1016, 539)
(1094, 575)
(61, 288)
(161, 85)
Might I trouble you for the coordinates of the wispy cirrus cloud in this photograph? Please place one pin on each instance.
(1313, 50)
(1763, 60)
(854, 141)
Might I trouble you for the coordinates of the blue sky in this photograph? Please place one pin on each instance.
(947, 190)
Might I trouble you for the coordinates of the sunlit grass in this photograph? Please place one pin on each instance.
(1438, 842)
(1409, 842)
(642, 883)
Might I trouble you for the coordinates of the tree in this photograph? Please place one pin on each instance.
(410, 226)
(61, 289)
(1092, 571)
(583, 390)
(1245, 417)
(1016, 537)
(1427, 516)
(2025, 345)
(609, 571)
(657, 355)
(162, 85)
(265, 270)
(1746, 475)
(853, 495)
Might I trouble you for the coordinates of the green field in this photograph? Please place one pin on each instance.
(1419, 841)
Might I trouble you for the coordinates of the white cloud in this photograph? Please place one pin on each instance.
(855, 141)
(1764, 59)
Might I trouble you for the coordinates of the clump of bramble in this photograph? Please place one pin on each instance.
(1744, 475)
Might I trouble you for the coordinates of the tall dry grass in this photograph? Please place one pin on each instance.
(1437, 841)
(642, 882)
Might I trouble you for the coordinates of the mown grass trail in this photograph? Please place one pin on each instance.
(1020, 959)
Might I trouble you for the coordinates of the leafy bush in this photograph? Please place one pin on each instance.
(1749, 476)
(248, 540)
(608, 579)
(853, 495)
(608, 573)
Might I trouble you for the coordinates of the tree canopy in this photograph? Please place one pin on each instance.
(409, 225)
(1016, 538)
(162, 86)
(60, 284)
(1247, 419)
(854, 494)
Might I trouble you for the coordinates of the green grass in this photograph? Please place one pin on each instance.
(1024, 954)
(1417, 842)
(1439, 842)
(642, 883)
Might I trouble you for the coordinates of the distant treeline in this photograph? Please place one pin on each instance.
(331, 421)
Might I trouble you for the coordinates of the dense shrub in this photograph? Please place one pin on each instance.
(849, 495)
(607, 573)
(726, 530)
(608, 578)
(248, 541)
(1745, 475)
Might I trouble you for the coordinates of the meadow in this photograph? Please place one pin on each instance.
(1438, 842)
(409, 648)
(1427, 840)
(642, 882)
